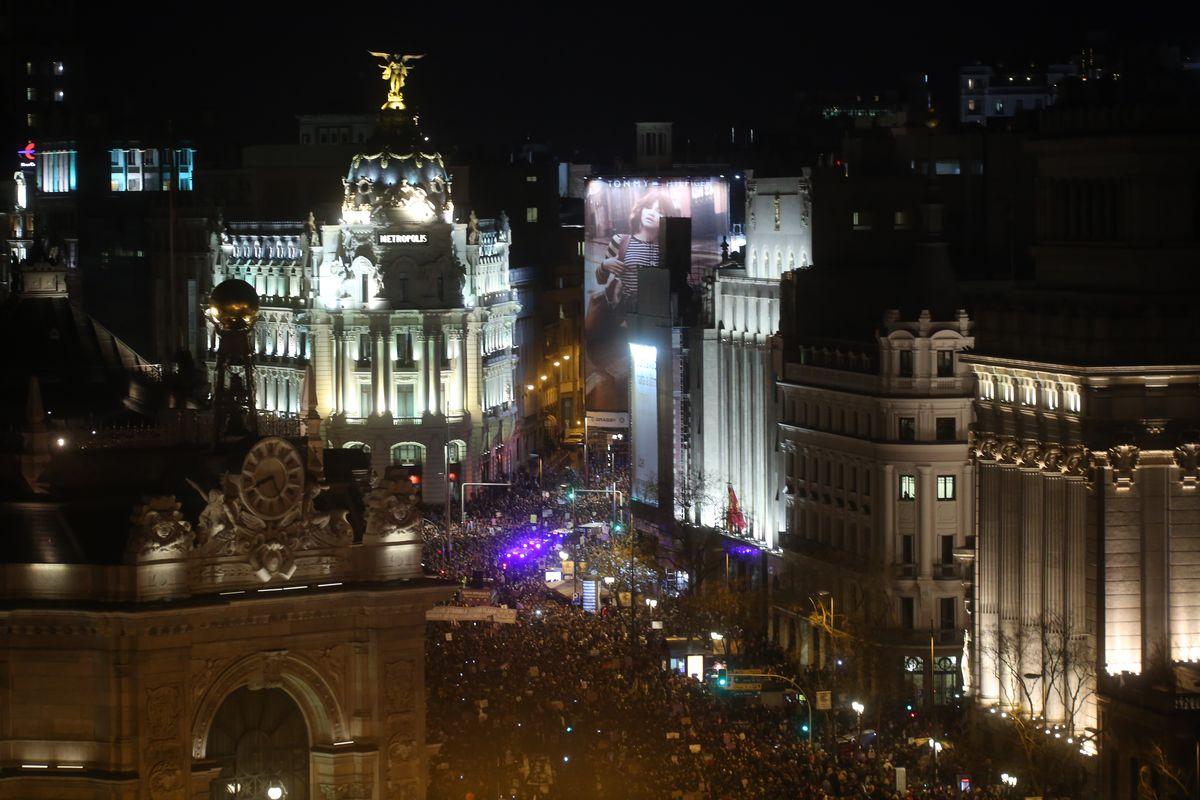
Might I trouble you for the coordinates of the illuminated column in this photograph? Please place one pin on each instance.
(422, 395)
(338, 355)
(347, 367)
(460, 372)
(1031, 579)
(1010, 570)
(379, 388)
(926, 506)
(435, 371)
(389, 383)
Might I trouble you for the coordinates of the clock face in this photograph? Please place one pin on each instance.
(272, 478)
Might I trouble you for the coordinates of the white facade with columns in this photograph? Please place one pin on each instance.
(736, 400)
(418, 371)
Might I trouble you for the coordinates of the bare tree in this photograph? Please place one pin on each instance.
(1046, 662)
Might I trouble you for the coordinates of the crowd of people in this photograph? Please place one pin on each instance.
(562, 704)
(559, 705)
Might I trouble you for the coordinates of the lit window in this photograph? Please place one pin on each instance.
(1051, 396)
(59, 95)
(947, 167)
(531, 214)
(531, 178)
(30, 93)
(28, 67)
(970, 83)
(58, 68)
(945, 487)
(971, 106)
(901, 221)
(999, 107)
(908, 487)
(860, 220)
(31, 120)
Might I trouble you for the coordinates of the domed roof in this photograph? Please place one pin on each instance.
(233, 305)
(398, 169)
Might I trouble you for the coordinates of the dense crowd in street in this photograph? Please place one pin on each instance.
(557, 705)
(560, 705)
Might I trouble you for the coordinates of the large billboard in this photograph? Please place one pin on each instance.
(644, 416)
(622, 227)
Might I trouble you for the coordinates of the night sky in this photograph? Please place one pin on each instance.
(502, 74)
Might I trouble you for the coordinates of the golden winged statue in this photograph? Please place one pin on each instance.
(395, 71)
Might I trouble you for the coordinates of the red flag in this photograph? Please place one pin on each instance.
(734, 517)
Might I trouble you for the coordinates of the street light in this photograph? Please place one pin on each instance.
(936, 746)
(858, 709)
(274, 792)
(716, 637)
(564, 555)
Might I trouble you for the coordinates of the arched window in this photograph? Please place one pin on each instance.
(456, 451)
(408, 454)
(260, 740)
(366, 448)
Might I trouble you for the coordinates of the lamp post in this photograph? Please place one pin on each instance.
(936, 747)
(858, 709)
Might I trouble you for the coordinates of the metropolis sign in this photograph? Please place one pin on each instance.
(403, 238)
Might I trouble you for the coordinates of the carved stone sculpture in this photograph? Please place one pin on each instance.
(1124, 460)
(1187, 457)
(391, 510)
(159, 531)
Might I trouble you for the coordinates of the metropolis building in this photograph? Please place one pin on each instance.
(405, 317)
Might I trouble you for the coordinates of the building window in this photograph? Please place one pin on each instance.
(906, 363)
(56, 171)
(408, 454)
(531, 214)
(31, 120)
(901, 221)
(970, 83)
(999, 107)
(908, 487)
(1051, 397)
(945, 363)
(946, 615)
(58, 68)
(908, 429)
(945, 487)
(908, 549)
(531, 178)
(947, 167)
(59, 95)
(947, 551)
(1028, 395)
(860, 220)
(971, 107)
(987, 389)
(30, 93)
(907, 613)
(1073, 400)
(946, 429)
(1007, 392)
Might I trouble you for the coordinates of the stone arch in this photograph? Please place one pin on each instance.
(274, 669)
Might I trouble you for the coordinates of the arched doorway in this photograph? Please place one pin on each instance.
(261, 741)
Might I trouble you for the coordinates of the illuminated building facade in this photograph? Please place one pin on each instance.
(405, 316)
(737, 411)
(1085, 451)
(179, 620)
(878, 493)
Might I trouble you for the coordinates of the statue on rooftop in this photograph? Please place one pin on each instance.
(395, 71)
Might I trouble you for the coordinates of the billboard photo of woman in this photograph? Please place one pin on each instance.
(612, 260)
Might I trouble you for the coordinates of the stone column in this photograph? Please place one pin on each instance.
(433, 353)
(885, 487)
(338, 355)
(1031, 544)
(421, 396)
(926, 508)
(987, 587)
(458, 378)
(349, 385)
(389, 380)
(378, 385)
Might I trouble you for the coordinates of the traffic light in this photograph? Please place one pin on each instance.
(571, 495)
(618, 527)
(722, 678)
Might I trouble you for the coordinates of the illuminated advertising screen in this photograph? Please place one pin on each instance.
(622, 226)
(644, 423)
